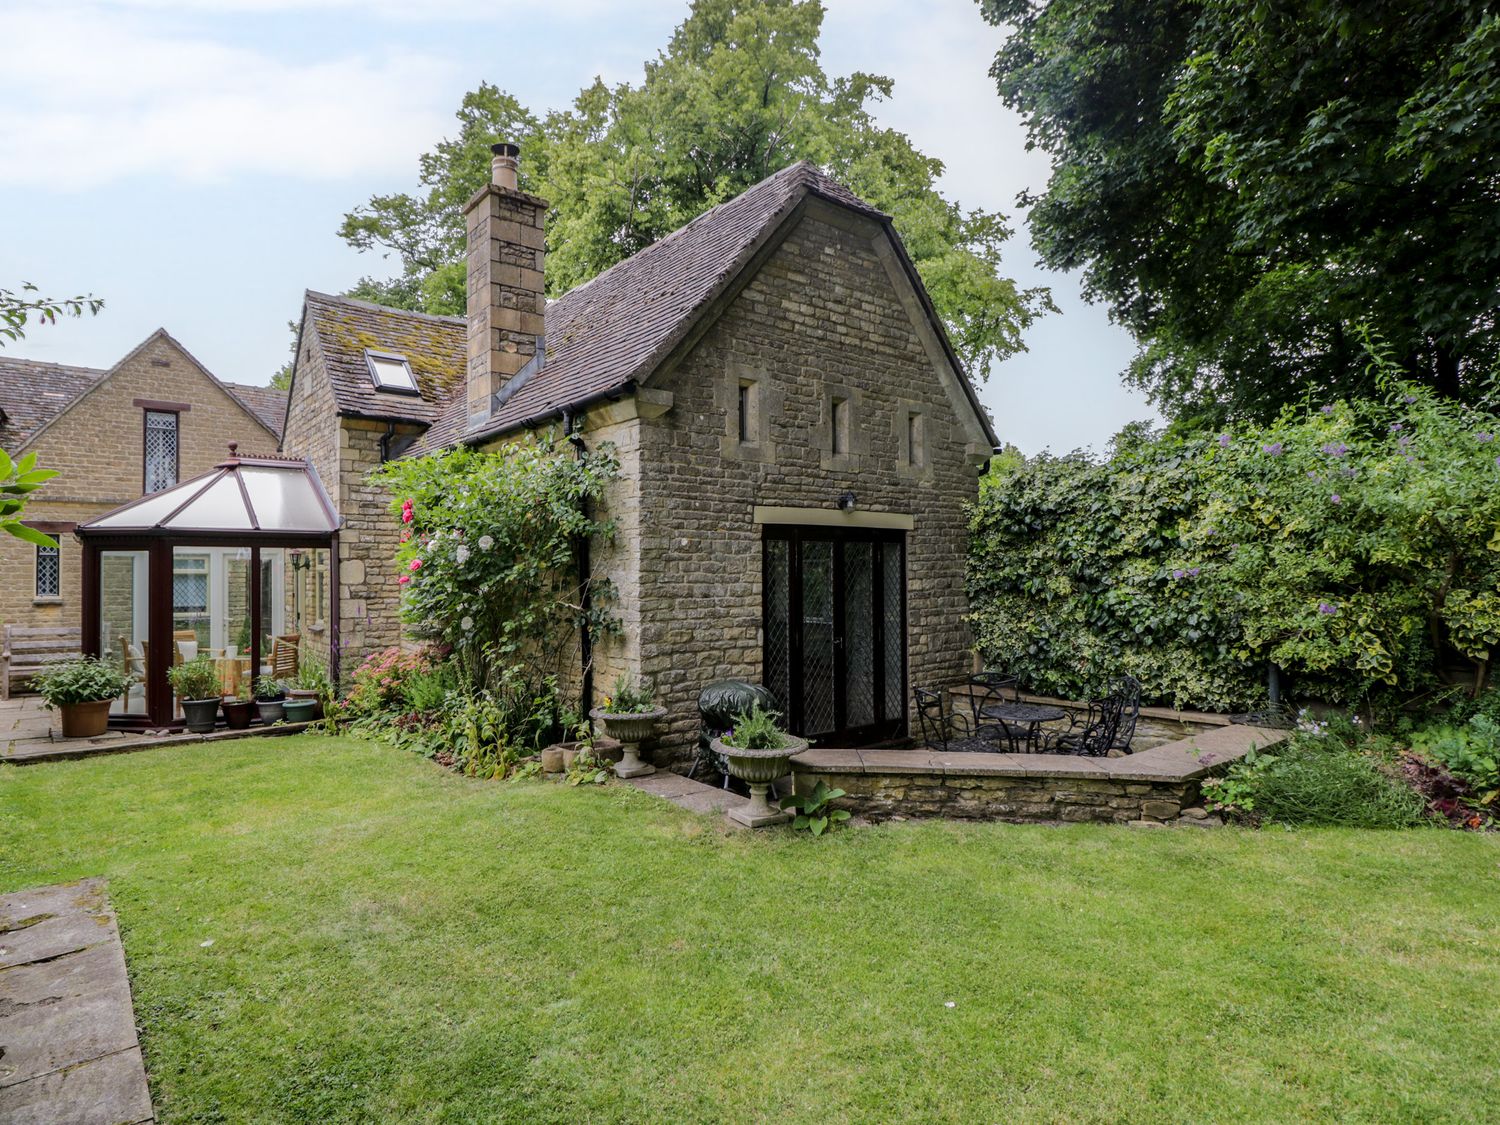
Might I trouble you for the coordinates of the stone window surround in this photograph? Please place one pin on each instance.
(904, 411)
(54, 597)
(766, 402)
(852, 458)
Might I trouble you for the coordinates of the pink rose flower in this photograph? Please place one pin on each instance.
(416, 564)
(404, 579)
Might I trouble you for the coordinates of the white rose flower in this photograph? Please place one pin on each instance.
(466, 624)
(463, 554)
(485, 542)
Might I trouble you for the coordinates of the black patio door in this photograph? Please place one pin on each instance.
(835, 631)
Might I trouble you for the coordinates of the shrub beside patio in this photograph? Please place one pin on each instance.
(389, 940)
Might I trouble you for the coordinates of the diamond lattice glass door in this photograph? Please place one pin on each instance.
(835, 631)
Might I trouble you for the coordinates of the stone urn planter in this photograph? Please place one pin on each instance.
(758, 769)
(631, 729)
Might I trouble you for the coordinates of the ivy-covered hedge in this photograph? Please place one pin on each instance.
(1353, 545)
(1071, 578)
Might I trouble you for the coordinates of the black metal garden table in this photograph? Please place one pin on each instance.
(1029, 715)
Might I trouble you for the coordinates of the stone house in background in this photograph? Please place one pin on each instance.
(797, 440)
(156, 417)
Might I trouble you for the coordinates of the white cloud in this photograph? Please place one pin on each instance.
(92, 96)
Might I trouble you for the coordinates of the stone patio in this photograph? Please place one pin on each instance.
(30, 733)
(1154, 786)
(68, 1046)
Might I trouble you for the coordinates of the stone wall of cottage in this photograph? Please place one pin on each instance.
(827, 314)
(98, 448)
(345, 451)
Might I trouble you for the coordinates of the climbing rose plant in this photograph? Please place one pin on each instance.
(487, 558)
(1354, 545)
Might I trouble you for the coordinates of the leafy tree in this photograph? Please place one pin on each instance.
(16, 308)
(1352, 544)
(1246, 181)
(737, 94)
(18, 479)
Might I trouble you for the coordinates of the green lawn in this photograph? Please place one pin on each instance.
(393, 942)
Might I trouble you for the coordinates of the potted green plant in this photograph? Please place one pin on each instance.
(196, 683)
(268, 700)
(311, 685)
(757, 752)
(239, 710)
(82, 690)
(630, 713)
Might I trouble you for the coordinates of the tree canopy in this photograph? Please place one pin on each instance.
(737, 94)
(1253, 186)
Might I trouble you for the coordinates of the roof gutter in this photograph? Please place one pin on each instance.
(553, 413)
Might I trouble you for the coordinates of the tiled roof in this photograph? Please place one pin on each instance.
(266, 403)
(617, 327)
(436, 347)
(32, 393)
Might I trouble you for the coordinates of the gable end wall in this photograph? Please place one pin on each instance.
(824, 312)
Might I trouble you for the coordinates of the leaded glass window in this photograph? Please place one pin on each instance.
(161, 450)
(48, 572)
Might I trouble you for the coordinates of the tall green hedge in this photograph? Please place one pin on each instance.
(1356, 546)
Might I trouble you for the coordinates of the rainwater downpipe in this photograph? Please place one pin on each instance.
(583, 560)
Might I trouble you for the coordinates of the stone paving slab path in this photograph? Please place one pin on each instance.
(688, 794)
(68, 1046)
(28, 734)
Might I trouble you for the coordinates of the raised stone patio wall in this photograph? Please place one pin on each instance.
(1153, 787)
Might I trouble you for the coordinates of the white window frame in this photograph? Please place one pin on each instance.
(53, 594)
(406, 383)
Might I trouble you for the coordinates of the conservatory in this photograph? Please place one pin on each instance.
(239, 565)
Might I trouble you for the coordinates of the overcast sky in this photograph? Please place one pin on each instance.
(190, 160)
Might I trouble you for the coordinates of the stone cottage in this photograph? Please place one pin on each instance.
(797, 440)
(156, 417)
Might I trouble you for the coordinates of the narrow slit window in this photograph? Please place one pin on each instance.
(48, 572)
(838, 417)
(391, 372)
(748, 420)
(916, 450)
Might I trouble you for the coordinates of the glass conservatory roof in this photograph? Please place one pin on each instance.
(272, 496)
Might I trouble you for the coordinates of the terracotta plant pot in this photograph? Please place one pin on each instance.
(299, 710)
(85, 720)
(758, 769)
(201, 714)
(238, 713)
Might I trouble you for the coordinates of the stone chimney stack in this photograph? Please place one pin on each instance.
(506, 303)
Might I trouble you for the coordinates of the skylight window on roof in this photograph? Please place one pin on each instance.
(391, 372)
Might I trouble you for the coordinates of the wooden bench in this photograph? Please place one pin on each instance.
(27, 649)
